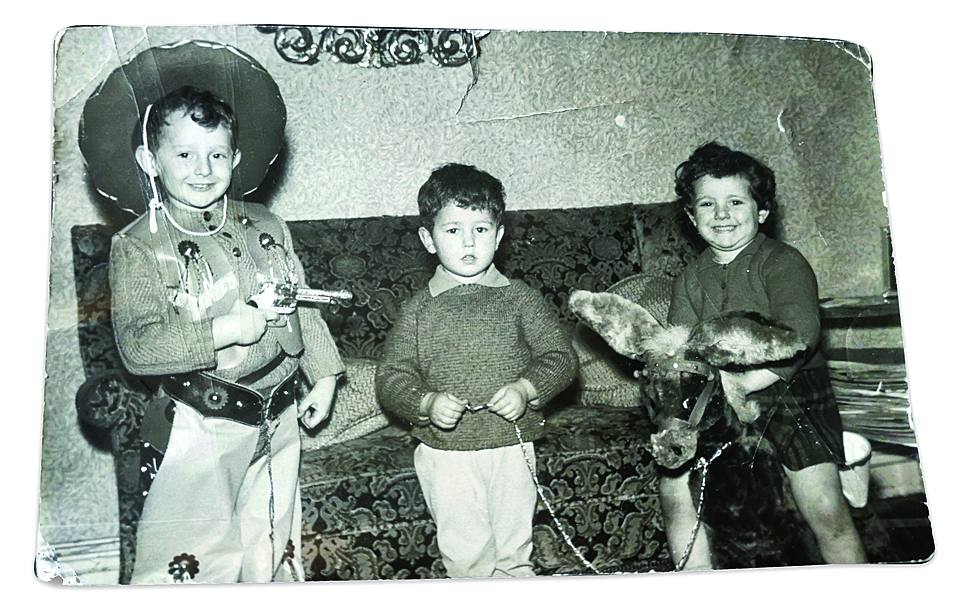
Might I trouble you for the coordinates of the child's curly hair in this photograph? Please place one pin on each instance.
(714, 159)
(466, 186)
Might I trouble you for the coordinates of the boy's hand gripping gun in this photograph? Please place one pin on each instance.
(283, 297)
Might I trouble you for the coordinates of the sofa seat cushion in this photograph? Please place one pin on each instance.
(365, 517)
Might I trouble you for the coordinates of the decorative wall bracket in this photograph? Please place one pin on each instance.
(374, 47)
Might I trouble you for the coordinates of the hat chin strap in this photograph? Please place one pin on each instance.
(155, 204)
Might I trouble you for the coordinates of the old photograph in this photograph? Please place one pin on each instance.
(358, 303)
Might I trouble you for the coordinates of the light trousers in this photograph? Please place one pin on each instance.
(482, 502)
(210, 500)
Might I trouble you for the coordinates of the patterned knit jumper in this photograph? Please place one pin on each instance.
(470, 341)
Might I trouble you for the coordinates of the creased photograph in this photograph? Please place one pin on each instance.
(359, 303)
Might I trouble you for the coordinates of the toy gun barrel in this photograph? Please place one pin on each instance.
(283, 297)
(313, 295)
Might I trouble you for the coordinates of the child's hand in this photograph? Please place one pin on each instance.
(736, 387)
(510, 401)
(243, 325)
(316, 406)
(444, 410)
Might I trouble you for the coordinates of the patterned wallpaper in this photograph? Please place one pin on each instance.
(564, 119)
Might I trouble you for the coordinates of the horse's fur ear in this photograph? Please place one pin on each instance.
(743, 338)
(624, 325)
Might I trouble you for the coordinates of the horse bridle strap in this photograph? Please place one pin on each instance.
(695, 367)
(702, 401)
(698, 368)
(692, 366)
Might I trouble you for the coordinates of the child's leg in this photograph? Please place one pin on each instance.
(817, 493)
(191, 504)
(512, 504)
(807, 432)
(455, 492)
(254, 512)
(679, 519)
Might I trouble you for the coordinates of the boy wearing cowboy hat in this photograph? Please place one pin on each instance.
(224, 504)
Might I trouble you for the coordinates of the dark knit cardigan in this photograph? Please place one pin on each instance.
(768, 277)
(470, 341)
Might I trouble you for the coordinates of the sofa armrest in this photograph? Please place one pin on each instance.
(113, 401)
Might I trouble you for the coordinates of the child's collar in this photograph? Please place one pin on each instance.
(444, 281)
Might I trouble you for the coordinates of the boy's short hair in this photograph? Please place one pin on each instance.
(204, 108)
(466, 186)
(718, 161)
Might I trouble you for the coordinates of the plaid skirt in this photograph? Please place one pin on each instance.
(801, 420)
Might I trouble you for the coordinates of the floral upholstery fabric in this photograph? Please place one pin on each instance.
(380, 260)
(558, 251)
(666, 242)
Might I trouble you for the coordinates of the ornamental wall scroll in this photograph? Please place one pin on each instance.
(374, 47)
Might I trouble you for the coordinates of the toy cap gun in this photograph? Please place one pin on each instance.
(283, 297)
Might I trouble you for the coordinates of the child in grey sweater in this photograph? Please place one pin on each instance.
(468, 363)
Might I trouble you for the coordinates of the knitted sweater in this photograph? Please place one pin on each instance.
(156, 337)
(768, 277)
(470, 341)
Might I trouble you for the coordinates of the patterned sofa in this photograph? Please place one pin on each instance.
(364, 516)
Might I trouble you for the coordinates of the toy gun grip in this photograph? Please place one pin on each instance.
(262, 300)
(274, 297)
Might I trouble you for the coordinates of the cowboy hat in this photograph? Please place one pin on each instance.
(110, 123)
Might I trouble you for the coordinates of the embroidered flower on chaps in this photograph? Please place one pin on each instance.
(184, 567)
